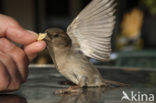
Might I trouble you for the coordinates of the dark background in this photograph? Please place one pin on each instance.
(38, 15)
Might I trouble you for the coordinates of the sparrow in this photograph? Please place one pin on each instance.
(89, 35)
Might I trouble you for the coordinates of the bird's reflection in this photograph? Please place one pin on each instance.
(88, 95)
(11, 98)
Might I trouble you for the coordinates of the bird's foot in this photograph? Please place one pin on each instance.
(70, 90)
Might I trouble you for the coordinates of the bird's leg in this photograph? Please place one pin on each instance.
(72, 89)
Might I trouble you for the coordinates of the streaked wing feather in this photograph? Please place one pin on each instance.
(91, 30)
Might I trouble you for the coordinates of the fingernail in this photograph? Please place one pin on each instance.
(32, 32)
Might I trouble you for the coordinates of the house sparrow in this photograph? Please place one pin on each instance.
(89, 35)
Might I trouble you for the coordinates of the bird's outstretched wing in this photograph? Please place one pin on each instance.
(91, 30)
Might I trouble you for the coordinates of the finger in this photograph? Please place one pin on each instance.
(32, 49)
(17, 54)
(12, 30)
(15, 77)
(4, 77)
(21, 36)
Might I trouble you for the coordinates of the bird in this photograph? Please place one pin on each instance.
(88, 36)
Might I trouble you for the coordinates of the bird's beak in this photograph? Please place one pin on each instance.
(47, 38)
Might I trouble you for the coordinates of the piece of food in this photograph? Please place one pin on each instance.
(41, 36)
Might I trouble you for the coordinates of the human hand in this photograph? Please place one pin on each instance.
(14, 60)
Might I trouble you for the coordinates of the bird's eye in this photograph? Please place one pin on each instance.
(49, 35)
(56, 35)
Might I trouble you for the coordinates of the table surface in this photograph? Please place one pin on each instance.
(44, 80)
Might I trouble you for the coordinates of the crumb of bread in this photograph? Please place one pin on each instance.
(41, 36)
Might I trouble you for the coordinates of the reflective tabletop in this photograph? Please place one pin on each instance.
(44, 80)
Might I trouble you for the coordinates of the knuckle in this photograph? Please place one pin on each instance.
(7, 47)
(13, 22)
(4, 78)
(4, 85)
(20, 55)
(16, 85)
(4, 81)
(7, 19)
(7, 59)
(21, 59)
(22, 64)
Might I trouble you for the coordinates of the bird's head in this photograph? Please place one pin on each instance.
(57, 38)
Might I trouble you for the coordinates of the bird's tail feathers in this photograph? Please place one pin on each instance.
(110, 83)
